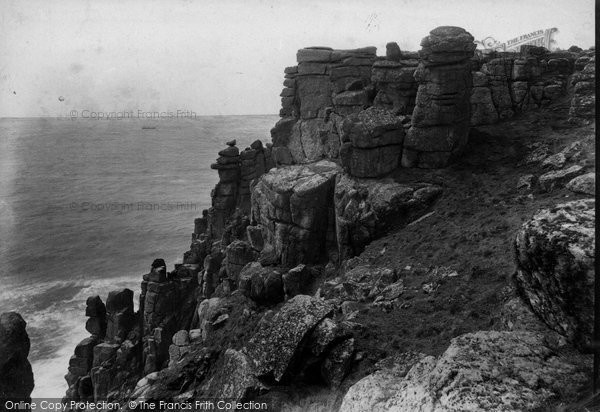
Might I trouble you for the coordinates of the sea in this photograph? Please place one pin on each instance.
(86, 205)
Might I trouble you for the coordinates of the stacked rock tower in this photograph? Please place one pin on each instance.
(440, 121)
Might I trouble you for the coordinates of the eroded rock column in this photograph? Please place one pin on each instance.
(440, 122)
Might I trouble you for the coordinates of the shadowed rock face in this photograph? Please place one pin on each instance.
(275, 344)
(16, 376)
(555, 268)
(294, 205)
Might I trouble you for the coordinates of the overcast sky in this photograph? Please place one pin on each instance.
(223, 57)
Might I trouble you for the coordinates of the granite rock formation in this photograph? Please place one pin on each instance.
(269, 293)
(440, 121)
(293, 206)
(555, 273)
(472, 375)
(583, 103)
(371, 142)
(16, 376)
(236, 172)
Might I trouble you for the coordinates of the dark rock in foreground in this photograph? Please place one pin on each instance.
(483, 371)
(555, 273)
(16, 376)
(274, 345)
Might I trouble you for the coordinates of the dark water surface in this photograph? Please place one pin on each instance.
(86, 205)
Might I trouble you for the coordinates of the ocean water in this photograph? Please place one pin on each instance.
(86, 205)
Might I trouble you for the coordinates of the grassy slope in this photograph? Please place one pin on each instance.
(471, 231)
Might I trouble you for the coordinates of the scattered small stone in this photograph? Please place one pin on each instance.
(429, 288)
(526, 182)
(552, 180)
(231, 142)
(555, 161)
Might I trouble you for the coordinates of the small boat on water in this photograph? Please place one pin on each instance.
(148, 127)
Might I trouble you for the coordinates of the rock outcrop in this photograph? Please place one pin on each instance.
(236, 172)
(508, 83)
(124, 345)
(555, 268)
(474, 374)
(16, 376)
(583, 103)
(371, 142)
(440, 121)
(293, 206)
(325, 83)
(365, 209)
(274, 346)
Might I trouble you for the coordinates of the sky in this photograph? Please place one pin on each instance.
(223, 57)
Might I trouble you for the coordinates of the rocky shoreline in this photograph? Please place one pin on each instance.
(270, 295)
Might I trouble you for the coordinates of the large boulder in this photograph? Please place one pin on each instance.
(120, 316)
(364, 283)
(294, 205)
(238, 254)
(475, 374)
(273, 347)
(555, 179)
(96, 313)
(555, 268)
(373, 391)
(261, 284)
(16, 375)
(584, 184)
(234, 379)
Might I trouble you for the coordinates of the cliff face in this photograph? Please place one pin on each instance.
(16, 376)
(271, 292)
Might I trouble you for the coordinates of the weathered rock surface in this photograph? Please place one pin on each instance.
(271, 350)
(298, 281)
(441, 118)
(366, 209)
(362, 283)
(119, 313)
(395, 84)
(558, 178)
(96, 311)
(16, 376)
(371, 142)
(294, 206)
(234, 380)
(261, 284)
(474, 373)
(373, 391)
(583, 103)
(584, 184)
(555, 268)
(236, 172)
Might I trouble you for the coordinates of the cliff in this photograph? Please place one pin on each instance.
(364, 255)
